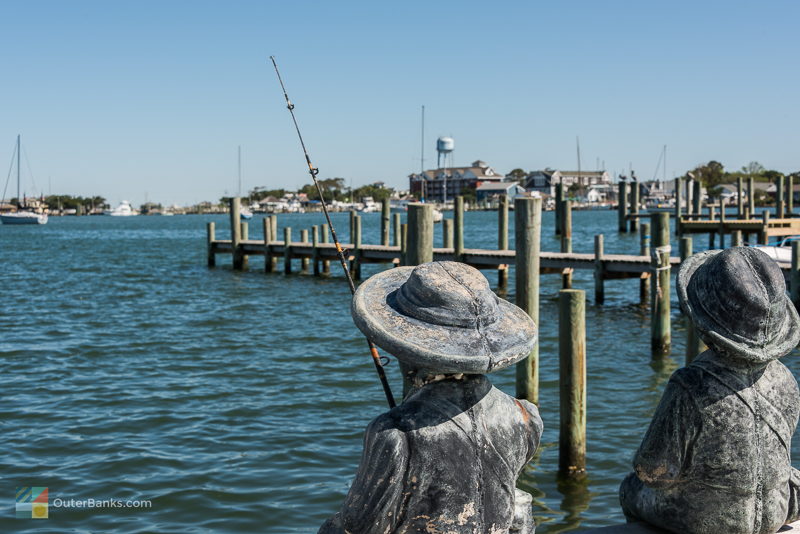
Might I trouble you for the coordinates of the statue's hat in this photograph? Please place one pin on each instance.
(442, 317)
(737, 300)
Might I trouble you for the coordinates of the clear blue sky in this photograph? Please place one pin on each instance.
(127, 99)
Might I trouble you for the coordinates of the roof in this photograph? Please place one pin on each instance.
(496, 186)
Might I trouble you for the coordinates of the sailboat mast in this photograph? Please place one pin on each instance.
(18, 167)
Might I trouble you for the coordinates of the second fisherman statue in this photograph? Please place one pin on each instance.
(447, 459)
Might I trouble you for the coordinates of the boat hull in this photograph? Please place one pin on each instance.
(23, 218)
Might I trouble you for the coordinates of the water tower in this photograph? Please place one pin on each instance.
(444, 147)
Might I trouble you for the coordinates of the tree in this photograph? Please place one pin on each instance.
(753, 169)
(518, 175)
(711, 174)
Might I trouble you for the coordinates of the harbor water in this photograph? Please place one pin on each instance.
(236, 401)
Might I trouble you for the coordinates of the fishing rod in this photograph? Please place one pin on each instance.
(313, 171)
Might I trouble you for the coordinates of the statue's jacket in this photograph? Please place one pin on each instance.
(716, 457)
(445, 460)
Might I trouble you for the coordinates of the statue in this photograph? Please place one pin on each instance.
(716, 458)
(447, 459)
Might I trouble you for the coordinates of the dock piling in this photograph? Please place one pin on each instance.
(210, 234)
(236, 233)
(779, 199)
(751, 197)
(566, 240)
(502, 240)
(740, 198)
(304, 261)
(420, 234)
(385, 221)
(273, 223)
(622, 206)
(572, 383)
(736, 238)
(404, 244)
(635, 192)
(790, 195)
(315, 245)
(245, 233)
(527, 242)
(396, 228)
(678, 207)
(447, 233)
(268, 266)
(763, 236)
(599, 288)
(326, 264)
(660, 286)
(287, 250)
(559, 207)
(697, 198)
(458, 222)
(644, 250)
(355, 265)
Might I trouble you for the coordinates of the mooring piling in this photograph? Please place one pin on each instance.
(211, 236)
(396, 228)
(780, 209)
(458, 223)
(420, 234)
(566, 241)
(315, 245)
(622, 206)
(736, 238)
(678, 207)
(644, 250)
(698, 197)
(287, 250)
(326, 264)
(245, 234)
(502, 240)
(599, 289)
(740, 197)
(527, 243)
(660, 286)
(763, 236)
(355, 265)
(267, 226)
(447, 233)
(385, 222)
(304, 261)
(790, 193)
(273, 223)
(572, 382)
(236, 233)
(559, 207)
(751, 197)
(635, 191)
(352, 225)
(404, 244)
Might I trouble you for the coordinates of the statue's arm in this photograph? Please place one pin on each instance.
(375, 500)
(659, 462)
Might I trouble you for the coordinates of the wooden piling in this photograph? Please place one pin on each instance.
(355, 265)
(736, 238)
(502, 240)
(559, 207)
(458, 223)
(315, 245)
(572, 382)
(622, 206)
(420, 234)
(304, 261)
(698, 198)
(211, 237)
(779, 199)
(396, 228)
(599, 288)
(268, 266)
(566, 241)
(287, 250)
(527, 243)
(763, 238)
(245, 233)
(644, 250)
(689, 198)
(740, 198)
(660, 286)
(794, 278)
(236, 233)
(326, 264)
(273, 223)
(721, 223)
(751, 197)
(352, 225)
(385, 222)
(447, 233)
(790, 195)
(403, 244)
(678, 207)
(635, 192)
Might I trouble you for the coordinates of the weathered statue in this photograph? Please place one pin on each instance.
(447, 459)
(716, 456)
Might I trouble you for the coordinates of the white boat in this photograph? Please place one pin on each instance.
(123, 210)
(437, 216)
(245, 214)
(23, 215)
(781, 252)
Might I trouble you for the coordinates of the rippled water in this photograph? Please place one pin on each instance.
(236, 401)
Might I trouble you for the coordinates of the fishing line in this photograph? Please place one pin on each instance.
(313, 171)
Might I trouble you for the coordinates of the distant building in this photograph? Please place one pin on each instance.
(430, 184)
(494, 190)
(545, 181)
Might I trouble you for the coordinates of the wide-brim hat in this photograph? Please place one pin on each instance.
(442, 317)
(738, 303)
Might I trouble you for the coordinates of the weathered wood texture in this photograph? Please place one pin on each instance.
(528, 224)
(572, 382)
(420, 234)
(660, 336)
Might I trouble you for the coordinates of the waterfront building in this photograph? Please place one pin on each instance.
(431, 184)
(492, 191)
(545, 181)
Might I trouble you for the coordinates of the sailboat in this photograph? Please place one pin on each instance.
(24, 214)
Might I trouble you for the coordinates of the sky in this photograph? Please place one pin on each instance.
(152, 100)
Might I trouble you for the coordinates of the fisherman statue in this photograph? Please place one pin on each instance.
(447, 459)
(716, 456)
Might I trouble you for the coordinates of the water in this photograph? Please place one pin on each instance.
(236, 401)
